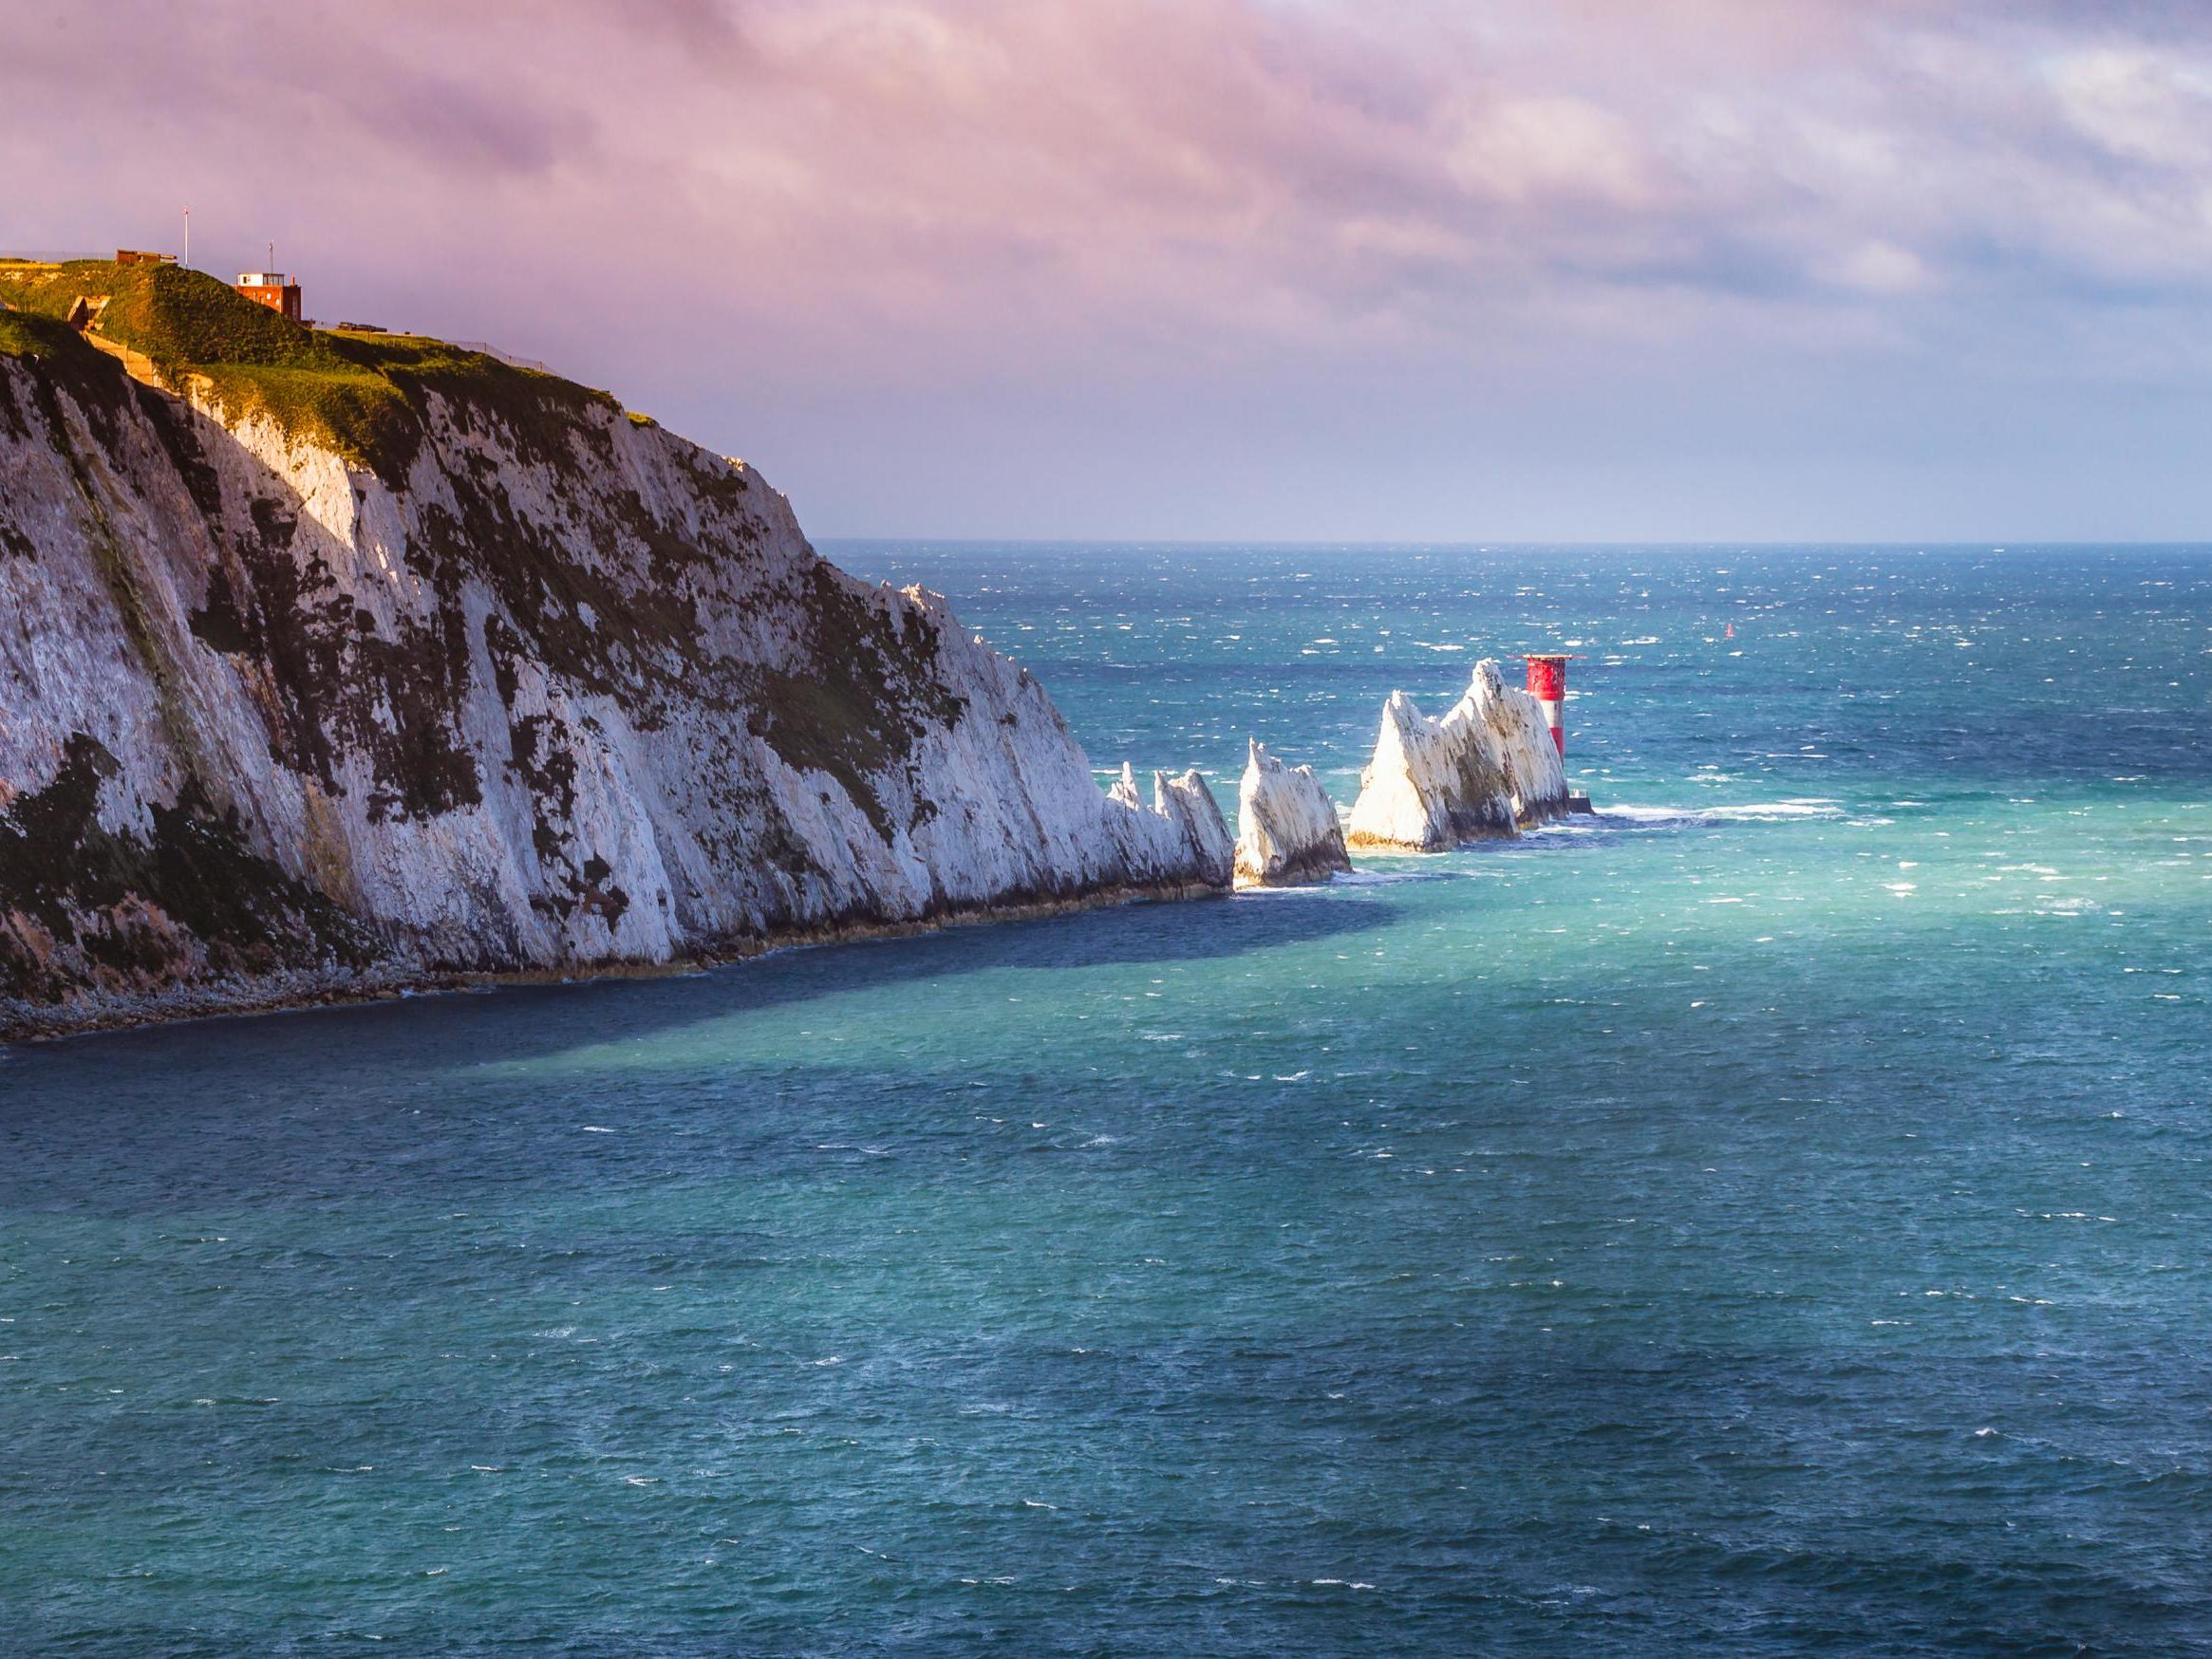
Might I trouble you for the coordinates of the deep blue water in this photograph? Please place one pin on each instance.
(1772, 1220)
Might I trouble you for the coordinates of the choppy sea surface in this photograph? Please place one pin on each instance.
(1772, 1217)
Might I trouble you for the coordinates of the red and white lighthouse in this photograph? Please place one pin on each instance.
(1548, 685)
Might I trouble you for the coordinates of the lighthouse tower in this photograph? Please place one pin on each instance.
(1548, 685)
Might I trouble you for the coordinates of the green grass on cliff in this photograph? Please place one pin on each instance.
(27, 334)
(362, 394)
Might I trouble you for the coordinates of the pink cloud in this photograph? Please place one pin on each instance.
(964, 163)
(998, 197)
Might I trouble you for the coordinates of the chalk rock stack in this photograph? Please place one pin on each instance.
(1486, 769)
(1180, 838)
(1287, 831)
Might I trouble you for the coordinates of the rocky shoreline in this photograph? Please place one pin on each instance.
(302, 992)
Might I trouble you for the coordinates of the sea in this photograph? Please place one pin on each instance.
(1771, 1216)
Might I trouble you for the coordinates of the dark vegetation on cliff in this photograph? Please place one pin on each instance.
(29, 334)
(82, 903)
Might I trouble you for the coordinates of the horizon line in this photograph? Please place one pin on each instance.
(1515, 544)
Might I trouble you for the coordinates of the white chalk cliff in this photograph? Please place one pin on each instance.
(1487, 768)
(1287, 830)
(535, 686)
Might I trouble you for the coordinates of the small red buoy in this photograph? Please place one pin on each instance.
(1731, 630)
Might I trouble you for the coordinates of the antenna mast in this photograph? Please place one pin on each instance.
(186, 261)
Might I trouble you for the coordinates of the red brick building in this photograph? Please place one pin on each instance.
(272, 289)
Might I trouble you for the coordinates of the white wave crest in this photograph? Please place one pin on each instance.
(1745, 813)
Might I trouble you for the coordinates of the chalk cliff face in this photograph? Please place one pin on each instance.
(1287, 831)
(1487, 768)
(535, 686)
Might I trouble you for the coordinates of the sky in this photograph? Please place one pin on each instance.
(1285, 269)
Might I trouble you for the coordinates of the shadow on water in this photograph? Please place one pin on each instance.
(202, 1065)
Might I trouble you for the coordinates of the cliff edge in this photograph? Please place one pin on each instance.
(335, 663)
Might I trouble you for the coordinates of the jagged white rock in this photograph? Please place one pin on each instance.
(273, 722)
(1287, 830)
(1487, 766)
(1180, 837)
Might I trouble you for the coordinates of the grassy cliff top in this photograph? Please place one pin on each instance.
(28, 334)
(362, 394)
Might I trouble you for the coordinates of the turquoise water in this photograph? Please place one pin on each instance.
(1771, 1219)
